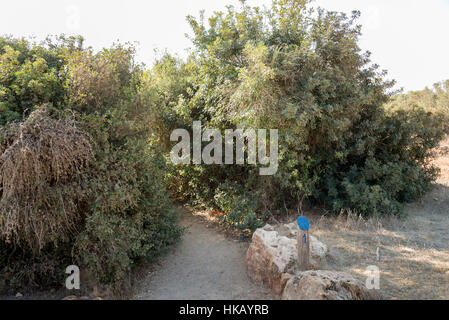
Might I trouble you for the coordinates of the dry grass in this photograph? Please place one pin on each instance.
(414, 251)
(414, 259)
(41, 160)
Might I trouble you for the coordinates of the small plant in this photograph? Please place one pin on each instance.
(241, 207)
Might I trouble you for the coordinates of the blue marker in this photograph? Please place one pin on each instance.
(303, 224)
(303, 247)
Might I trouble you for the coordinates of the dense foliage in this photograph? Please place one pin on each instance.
(300, 71)
(79, 182)
(434, 100)
(85, 137)
(32, 74)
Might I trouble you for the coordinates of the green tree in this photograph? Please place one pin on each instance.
(435, 100)
(77, 123)
(300, 71)
(32, 74)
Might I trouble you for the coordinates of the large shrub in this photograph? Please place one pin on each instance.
(32, 74)
(300, 71)
(79, 182)
(41, 164)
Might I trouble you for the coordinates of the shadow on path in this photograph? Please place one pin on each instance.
(205, 265)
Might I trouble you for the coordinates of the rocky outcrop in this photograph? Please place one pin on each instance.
(326, 285)
(272, 256)
(81, 298)
(272, 259)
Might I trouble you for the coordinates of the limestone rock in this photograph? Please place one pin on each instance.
(81, 298)
(272, 256)
(326, 285)
(318, 249)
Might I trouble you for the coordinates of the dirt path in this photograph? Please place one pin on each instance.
(205, 265)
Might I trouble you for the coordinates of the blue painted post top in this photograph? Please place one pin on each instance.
(303, 223)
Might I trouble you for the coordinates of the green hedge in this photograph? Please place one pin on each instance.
(101, 204)
(302, 72)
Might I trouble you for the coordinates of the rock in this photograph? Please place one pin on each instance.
(81, 298)
(273, 253)
(318, 249)
(326, 285)
(284, 279)
(266, 260)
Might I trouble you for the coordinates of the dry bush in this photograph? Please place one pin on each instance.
(41, 162)
(88, 192)
(96, 81)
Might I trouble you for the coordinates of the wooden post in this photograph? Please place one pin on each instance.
(303, 244)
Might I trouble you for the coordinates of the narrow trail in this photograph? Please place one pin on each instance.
(205, 265)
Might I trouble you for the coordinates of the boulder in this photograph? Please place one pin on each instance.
(272, 256)
(326, 285)
(318, 249)
(81, 298)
